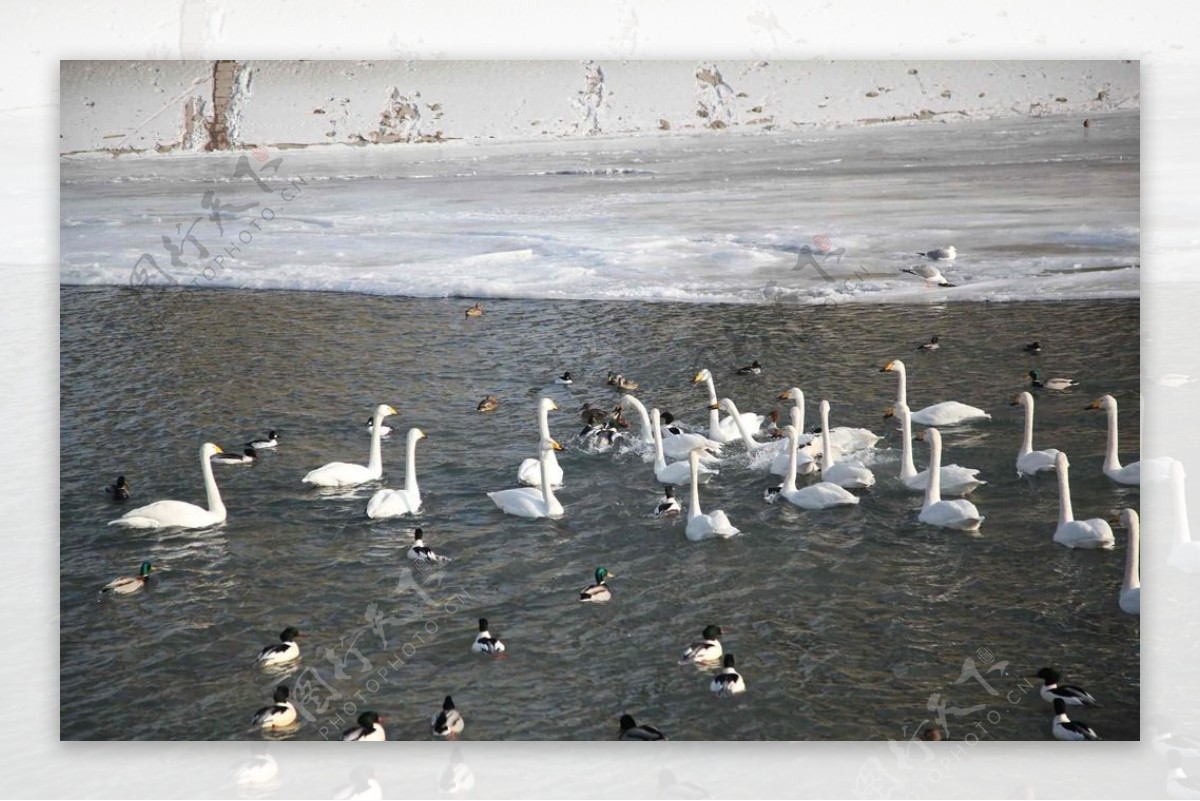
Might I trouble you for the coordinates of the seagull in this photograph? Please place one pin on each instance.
(940, 254)
(932, 275)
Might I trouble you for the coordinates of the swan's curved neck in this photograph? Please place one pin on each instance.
(1111, 462)
(712, 390)
(694, 506)
(714, 415)
(1132, 573)
(907, 468)
(660, 460)
(826, 449)
(751, 445)
(210, 484)
(647, 437)
(789, 481)
(547, 490)
(375, 461)
(1027, 443)
(901, 383)
(544, 421)
(410, 469)
(1065, 513)
(933, 491)
(798, 399)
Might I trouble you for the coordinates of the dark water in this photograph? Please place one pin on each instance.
(845, 622)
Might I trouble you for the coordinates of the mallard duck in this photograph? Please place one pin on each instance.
(1064, 728)
(599, 591)
(448, 722)
(630, 730)
(119, 491)
(1067, 693)
(420, 553)
(488, 404)
(286, 650)
(773, 429)
(367, 730)
(127, 585)
(270, 441)
(277, 715)
(591, 416)
(728, 682)
(705, 650)
(624, 384)
(668, 505)
(475, 311)
(751, 369)
(1058, 384)
(932, 344)
(485, 643)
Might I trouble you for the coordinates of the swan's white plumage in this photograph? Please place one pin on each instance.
(407, 501)
(1093, 533)
(846, 474)
(1127, 474)
(530, 471)
(946, 413)
(724, 429)
(702, 526)
(676, 472)
(528, 501)
(167, 514)
(957, 514)
(1029, 461)
(344, 474)
(815, 496)
(955, 479)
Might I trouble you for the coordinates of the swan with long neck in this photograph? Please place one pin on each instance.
(1029, 461)
(946, 413)
(1093, 533)
(822, 495)
(851, 475)
(724, 430)
(344, 474)
(628, 400)
(843, 438)
(739, 423)
(957, 514)
(954, 480)
(702, 526)
(677, 444)
(530, 471)
(1130, 473)
(1131, 588)
(1185, 554)
(394, 503)
(676, 472)
(806, 464)
(528, 501)
(163, 514)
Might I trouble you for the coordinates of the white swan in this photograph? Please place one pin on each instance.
(816, 496)
(851, 475)
(1131, 588)
(647, 435)
(676, 472)
(530, 502)
(806, 444)
(530, 471)
(344, 474)
(701, 526)
(1029, 461)
(163, 514)
(1185, 554)
(394, 503)
(1130, 473)
(843, 438)
(724, 430)
(955, 480)
(1094, 533)
(946, 413)
(740, 424)
(959, 514)
(678, 444)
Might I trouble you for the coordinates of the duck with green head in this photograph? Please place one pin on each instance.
(598, 591)
(126, 585)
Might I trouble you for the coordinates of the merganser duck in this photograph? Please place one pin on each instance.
(932, 344)
(367, 730)
(286, 650)
(485, 643)
(420, 553)
(565, 378)
(1033, 347)
(599, 591)
(630, 730)
(752, 369)
(1069, 694)
(126, 585)
(247, 456)
(1058, 384)
(705, 650)
(1066, 729)
(668, 505)
(119, 491)
(363, 786)
(448, 722)
(271, 440)
(728, 682)
(277, 715)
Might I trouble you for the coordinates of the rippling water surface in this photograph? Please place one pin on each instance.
(845, 623)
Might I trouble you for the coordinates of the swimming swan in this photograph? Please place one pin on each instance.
(1094, 533)
(676, 472)
(344, 474)
(946, 413)
(958, 514)
(851, 475)
(815, 496)
(1131, 589)
(701, 526)
(393, 503)
(955, 480)
(530, 502)
(530, 471)
(163, 514)
(724, 430)
(1029, 461)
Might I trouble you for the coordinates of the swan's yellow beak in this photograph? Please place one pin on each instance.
(1093, 405)
(420, 434)
(218, 448)
(889, 412)
(699, 377)
(1015, 400)
(785, 395)
(887, 368)
(555, 445)
(390, 410)
(553, 406)
(714, 406)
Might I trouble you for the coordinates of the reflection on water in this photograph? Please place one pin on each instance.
(845, 622)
